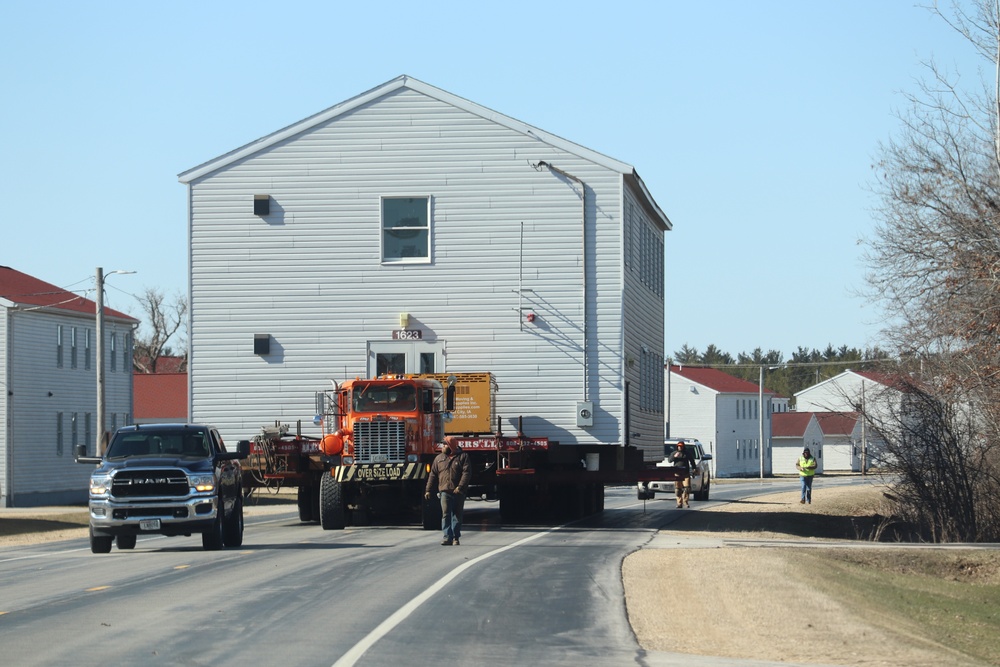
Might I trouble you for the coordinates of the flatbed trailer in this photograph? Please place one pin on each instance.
(533, 479)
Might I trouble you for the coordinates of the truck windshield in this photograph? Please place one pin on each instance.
(153, 444)
(401, 397)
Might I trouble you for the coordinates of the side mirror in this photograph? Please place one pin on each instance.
(243, 448)
(706, 457)
(80, 455)
(450, 398)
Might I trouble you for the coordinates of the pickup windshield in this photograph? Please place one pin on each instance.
(195, 444)
(401, 397)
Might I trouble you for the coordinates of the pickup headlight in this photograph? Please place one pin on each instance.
(100, 485)
(202, 482)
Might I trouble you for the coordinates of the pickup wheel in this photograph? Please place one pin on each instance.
(331, 503)
(232, 531)
(305, 498)
(125, 541)
(212, 539)
(100, 544)
(703, 494)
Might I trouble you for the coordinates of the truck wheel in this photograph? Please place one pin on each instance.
(212, 539)
(125, 541)
(705, 487)
(331, 503)
(431, 513)
(100, 544)
(305, 503)
(232, 531)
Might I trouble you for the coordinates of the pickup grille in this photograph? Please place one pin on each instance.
(379, 441)
(160, 483)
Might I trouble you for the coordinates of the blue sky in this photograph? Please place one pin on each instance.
(753, 124)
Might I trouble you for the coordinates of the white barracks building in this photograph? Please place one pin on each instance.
(410, 230)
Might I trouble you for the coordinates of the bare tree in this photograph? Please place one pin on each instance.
(934, 267)
(161, 321)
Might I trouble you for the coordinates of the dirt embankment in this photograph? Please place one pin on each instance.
(751, 589)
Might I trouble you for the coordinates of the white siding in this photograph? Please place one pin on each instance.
(40, 470)
(643, 312)
(843, 452)
(693, 413)
(5, 436)
(737, 436)
(309, 274)
(787, 449)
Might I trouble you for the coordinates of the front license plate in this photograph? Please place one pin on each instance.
(149, 524)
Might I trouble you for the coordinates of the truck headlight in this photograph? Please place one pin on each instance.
(100, 485)
(202, 482)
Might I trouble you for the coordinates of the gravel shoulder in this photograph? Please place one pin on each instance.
(735, 581)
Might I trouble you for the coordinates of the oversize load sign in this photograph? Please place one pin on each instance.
(380, 472)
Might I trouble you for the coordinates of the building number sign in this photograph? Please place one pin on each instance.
(407, 334)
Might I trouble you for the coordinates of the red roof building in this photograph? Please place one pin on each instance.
(160, 397)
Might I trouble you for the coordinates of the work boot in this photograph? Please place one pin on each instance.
(446, 543)
(456, 542)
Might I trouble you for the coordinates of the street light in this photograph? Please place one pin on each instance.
(101, 433)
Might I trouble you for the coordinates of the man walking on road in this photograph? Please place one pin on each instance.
(450, 473)
(682, 457)
(806, 465)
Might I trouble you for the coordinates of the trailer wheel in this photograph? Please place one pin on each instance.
(305, 500)
(431, 513)
(331, 503)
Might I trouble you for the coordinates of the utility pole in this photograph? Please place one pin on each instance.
(100, 361)
(99, 300)
(760, 420)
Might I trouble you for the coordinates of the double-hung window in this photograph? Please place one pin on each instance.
(406, 230)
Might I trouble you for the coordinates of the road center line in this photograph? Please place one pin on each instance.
(352, 656)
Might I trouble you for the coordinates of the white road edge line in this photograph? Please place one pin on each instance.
(354, 654)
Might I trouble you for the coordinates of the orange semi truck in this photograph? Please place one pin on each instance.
(380, 435)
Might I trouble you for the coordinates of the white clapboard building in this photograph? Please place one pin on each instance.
(724, 413)
(409, 229)
(48, 370)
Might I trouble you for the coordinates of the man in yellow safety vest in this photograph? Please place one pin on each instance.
(806, 465)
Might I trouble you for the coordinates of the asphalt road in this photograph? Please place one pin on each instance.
(297, 595)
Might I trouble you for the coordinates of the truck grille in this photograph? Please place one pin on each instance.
(150, 483)
(379, 441)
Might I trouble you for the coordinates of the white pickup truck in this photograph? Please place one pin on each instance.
(701, 476)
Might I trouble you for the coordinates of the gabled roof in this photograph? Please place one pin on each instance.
(159, 396)
(25, 292)
(837, 423)
(716, 380)
(790, 424)
(410, 83)
(897, 381)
